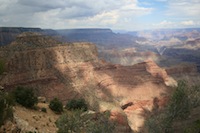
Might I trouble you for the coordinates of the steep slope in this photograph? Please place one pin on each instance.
(29, 120)
(36, 60)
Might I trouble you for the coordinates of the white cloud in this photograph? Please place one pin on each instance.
(180, 14)
(188, 23)
(117, 14)
(181, 24)
(164, 24)
(184, 8)
(70, 13)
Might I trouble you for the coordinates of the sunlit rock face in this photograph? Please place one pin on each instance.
(37, 60)
(73, 70)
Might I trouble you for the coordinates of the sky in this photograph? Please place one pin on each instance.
(128, 15)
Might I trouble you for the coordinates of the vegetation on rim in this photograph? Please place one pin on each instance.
(77, 104)
(25, 96)
(2, 66)
(56, 105)
(6, 101)
(6, 104)
(182, 101)
(76, 122)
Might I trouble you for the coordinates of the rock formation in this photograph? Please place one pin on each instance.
(9, 34)
(38, 61)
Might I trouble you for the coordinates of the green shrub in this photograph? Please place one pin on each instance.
(177, 109)
(44, 110)
(56, 105)
(159, 123)
(102, 124)
(70, 122)
(6, 103)
(77, 104)
(193, 128)
(25, 97)
(179, 106)
(194, 96)
(2, 66)
(76, 122)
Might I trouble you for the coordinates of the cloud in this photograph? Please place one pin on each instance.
(181, 24)
(188, 23)
(50, 4)
(70, 13)
(183, 8)
(164, 24)
(116, 14)
(180, 14)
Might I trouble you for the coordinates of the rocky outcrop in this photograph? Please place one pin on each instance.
(120, 85)
(156, 71)
(40, 62)
(9, 34)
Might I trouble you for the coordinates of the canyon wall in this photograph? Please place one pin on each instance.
(36, 61)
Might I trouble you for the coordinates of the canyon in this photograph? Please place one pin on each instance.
(68, 70)
(166, 47)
